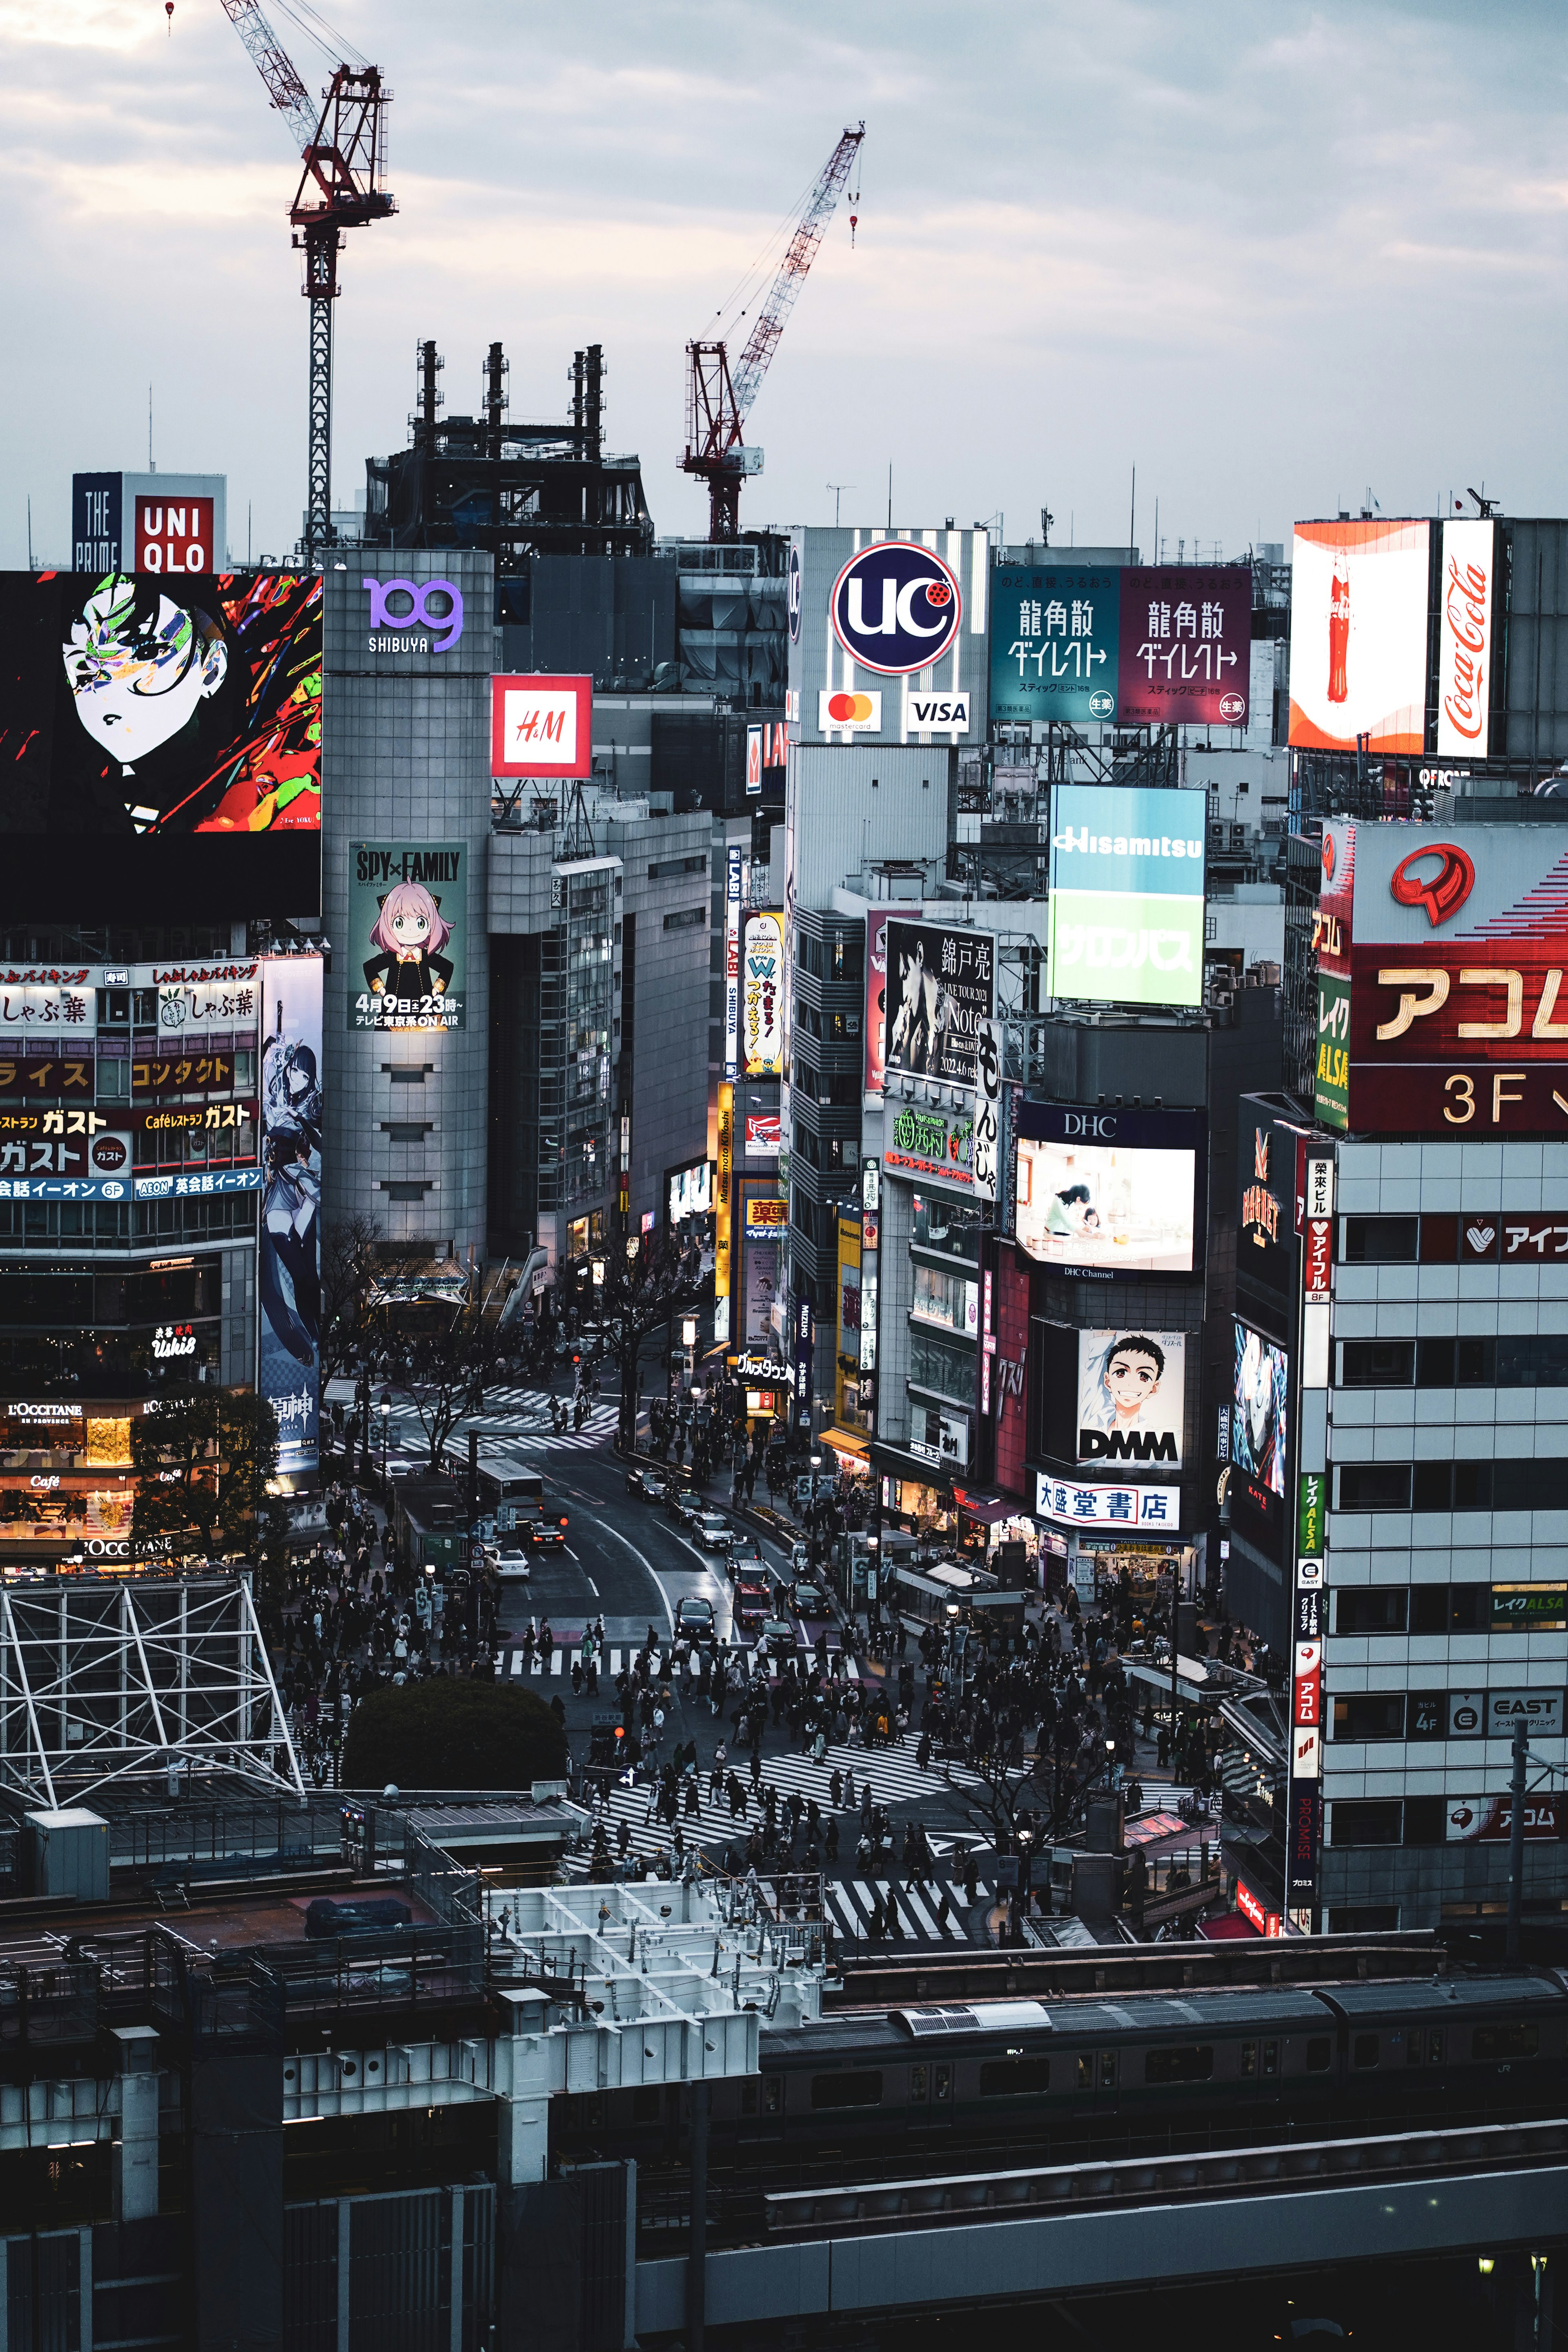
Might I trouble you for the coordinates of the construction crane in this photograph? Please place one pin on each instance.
(717, 402)
(344, 149)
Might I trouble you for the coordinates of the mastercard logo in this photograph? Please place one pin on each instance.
(849, 709)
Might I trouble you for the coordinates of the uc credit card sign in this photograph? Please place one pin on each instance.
(1126, 922)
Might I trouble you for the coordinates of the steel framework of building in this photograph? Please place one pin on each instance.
(114, 1678)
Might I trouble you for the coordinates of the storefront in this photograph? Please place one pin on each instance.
(998, 1532)
(760, 1388)
(66, 1488)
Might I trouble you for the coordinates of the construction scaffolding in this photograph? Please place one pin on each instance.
(112, 1679)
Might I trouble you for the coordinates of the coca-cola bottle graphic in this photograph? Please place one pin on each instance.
(1338, 628)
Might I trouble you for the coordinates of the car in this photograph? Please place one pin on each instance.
(812, 1613)
(650, 1484)
(544, 1531)
(511, 1560)
(694, 1617)
(712, 1532)
(746, 1556)
(683, 1506)
(753, 1602)
(776, 1636)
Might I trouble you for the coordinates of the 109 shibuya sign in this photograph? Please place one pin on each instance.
(400, 607)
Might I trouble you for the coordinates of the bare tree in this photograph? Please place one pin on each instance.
(349, 1271)
(638, 1298)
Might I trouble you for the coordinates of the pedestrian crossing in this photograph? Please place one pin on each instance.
(891, 1774)
(754, 1665)
(895, 1910)
(514, 1417)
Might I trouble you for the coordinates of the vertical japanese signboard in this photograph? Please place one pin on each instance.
(733, 892)
(723, 1189)
(289, 1258)
(986, 1158)
(762, 995)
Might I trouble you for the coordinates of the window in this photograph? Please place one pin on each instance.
(1377, 1363)
(773, 2095)
(942, 1366)
(686, 919)
(1511, 2041)
(1085, 2071)
(1363, 1715)
(1108, 2070)
(749, 2098)
(950, 1228)
(1456, 1363)
(1271, 2057)
(406, 1130)
(920, 2083)
(1249, 2058)
(1364, 1821)
(1319, 2050)
(1185, 2062)
(942, 2085)
(1435, 2046)
(666, 866)
(948, 1299)
(1379, 1241)
(862, 2090)
(408, 1075)
(1373, 1608)
(1452, 1486)
(416, 1191)
(1374, 1487)
(1364, 2050)
(1010, 2078)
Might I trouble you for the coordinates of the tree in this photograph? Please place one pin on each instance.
(349, 1270)
(638, 1298)
(446, 1734)
(203, 1458)
(461, 1349)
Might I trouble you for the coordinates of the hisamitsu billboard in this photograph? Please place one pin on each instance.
(1126, 920)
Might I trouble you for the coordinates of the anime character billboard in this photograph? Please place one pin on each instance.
(137, 703)
(289, 1269)
(1131, 1390)
(407, 934)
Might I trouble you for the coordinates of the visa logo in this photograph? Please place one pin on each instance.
(948, 712)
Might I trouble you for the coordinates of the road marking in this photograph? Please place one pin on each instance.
(643, 1561)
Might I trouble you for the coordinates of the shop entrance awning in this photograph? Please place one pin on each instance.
(843, 1441)
(990, 1509)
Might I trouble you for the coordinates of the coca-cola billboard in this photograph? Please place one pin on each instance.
(1358, 636)
(1465, 609)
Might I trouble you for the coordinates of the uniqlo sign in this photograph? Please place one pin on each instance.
(541, 725)
(172, 535)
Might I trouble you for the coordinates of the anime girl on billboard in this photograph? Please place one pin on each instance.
(291, 1258)
(141, 666)
(1258, 1446)
(410, 931)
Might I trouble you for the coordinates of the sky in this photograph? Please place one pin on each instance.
(1274, 258)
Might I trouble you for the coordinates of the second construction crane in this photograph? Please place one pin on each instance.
(343, 145)
(717, 402)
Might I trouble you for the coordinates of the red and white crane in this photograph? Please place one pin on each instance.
(343, 144)
(717, 402)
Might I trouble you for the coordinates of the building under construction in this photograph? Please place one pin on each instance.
(514, 489)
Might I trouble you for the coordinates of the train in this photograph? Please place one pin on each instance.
(1019, 2081)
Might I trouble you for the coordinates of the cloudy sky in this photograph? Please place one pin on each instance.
(1273, 256)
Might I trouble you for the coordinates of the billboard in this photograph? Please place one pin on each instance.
(173, 533)
(1116, 1507)
(541, 725)
(1358, 636)
(877, 994)
(1132, 1388)
(762, 993)
(170, 727)
(127, 1083)
(1109, 1192)
(1143, 645)
(289, 1255)
(408, 922)
(1441, 959)
(1126, 920)
(939, 1144)
(764, 1134)
(766, 1223)
(1259, 1432)
(886, 635)
(1467, 600)
(941, 985)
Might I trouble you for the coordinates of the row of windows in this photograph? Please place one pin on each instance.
(1430, 1715)
(1173, 2065)
(1453, 1487)
(1513, 1360)
(839, 958)
(1442, 1608)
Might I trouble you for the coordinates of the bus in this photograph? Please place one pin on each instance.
(510, 1491)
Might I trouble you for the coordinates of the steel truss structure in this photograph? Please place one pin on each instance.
(112, 1679)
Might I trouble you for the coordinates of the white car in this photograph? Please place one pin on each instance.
(513, 1562)
(714, 1533)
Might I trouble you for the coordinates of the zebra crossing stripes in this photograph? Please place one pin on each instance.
(750, 1663)
(937, 1912)
(512, 1423)
(892, 1775)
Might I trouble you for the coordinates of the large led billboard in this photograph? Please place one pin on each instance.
(940, 983)
(408, 924)
(160, 744)
(876, 923)
(289, 1255)
(1109, 1192)
(1131, 1388)
(1141, 644)
(1466, 602)
(1442, 952)
(1259, 1430)
(1358, 636)
(1126, 918)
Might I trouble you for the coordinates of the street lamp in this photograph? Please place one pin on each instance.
(386, 1428)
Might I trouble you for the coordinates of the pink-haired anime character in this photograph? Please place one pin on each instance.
(410, 931)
